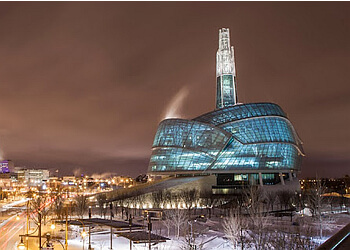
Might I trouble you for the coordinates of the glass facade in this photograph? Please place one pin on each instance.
(235, 141)
(240, 112)
(186, 145)
(242, 137)
(225, 91)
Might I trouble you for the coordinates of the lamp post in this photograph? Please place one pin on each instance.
(130, 225)
(39, 224)
(89, 247)
(21, 245)
(149, 230)
(66, 234)
(83, 235)
(53, 226)
(111, 210)
(27, 224)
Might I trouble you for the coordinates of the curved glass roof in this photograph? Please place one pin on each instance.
(186, 145)
(239, 112)
(262, 129)
(246, 136)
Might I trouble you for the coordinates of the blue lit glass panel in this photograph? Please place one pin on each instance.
(191, 135)
(249, 136)
(225, 91)
(258, 156)
(241, 111)
(262, 129)
(179, 159)
(186, 145)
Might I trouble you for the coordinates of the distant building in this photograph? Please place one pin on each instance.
(239, 144)
(5, 180)
(69, 180)
(6, 166)
(54, 183)
(33, 177)
(329, 185)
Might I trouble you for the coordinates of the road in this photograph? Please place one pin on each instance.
(10, 227)
(13, 223)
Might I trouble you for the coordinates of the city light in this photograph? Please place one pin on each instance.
(21, 245)
(241, 160)
(83, 234)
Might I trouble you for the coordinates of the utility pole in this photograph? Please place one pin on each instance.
(89, 229)
(27, 239)
(149, 231)
(39, 224)
(130, 224)
(111, 210)
(66, 238)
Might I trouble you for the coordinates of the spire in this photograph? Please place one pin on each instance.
(225, 71)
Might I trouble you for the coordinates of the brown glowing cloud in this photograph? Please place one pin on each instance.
(84, 85)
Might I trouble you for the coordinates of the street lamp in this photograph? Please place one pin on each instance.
(21, 245)
(17, 217)
(83, 235)
(53, 226)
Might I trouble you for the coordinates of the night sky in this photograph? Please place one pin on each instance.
(84, 85)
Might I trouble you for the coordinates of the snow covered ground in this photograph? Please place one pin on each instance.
(102, 242)
(211, 236)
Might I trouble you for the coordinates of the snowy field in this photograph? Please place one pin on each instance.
(102, 242)
(208, 235)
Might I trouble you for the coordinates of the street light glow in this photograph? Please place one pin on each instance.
(83, 234)
(21, 245)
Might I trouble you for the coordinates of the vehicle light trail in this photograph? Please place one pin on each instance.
(15, 227)
(11, 227)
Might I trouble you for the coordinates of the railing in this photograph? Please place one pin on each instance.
(337, 239)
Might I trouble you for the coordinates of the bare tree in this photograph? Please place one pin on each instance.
(175, 199)
(210, 201)
(315, 202)
(254, 196)
(279, 240)
(234, 224)
(179, 218)
(102, 200)
(285, 197)
(192, 239)
(39, 205)
(189, 198)
(271, 198)
(81, 205)
(303, 239)
(58, 207)
(330, 200)
(157, 198)
(167, 222)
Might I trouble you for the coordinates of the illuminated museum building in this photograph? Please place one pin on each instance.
(240, 144)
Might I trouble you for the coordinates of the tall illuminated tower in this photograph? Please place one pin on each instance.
(226, 94)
